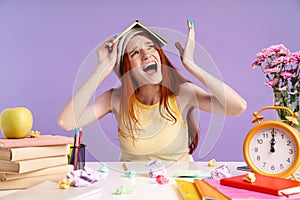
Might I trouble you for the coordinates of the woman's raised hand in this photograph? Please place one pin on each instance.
(187, 53)
(107, 55)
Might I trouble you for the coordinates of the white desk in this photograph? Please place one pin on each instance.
(142, 184)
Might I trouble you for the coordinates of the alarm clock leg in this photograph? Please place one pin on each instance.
(293, 175)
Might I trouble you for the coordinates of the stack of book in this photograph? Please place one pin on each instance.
(30, 161)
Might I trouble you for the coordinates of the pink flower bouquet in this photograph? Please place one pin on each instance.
(281, 68)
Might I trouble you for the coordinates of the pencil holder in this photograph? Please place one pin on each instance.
(79, 152)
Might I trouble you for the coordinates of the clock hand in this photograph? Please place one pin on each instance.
(273, 141)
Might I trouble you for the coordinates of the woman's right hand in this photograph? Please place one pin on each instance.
(187, 53)
(107, 56)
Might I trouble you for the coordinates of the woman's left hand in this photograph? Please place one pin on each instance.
(187, 53)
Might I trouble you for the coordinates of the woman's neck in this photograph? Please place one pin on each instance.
(148, 94)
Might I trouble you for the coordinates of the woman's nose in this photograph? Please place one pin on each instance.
(146, 54)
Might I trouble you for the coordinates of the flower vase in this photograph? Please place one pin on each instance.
(279, 100)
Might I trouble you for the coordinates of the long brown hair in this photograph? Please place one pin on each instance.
(170, 83)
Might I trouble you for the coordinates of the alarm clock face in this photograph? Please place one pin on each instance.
(272, 150)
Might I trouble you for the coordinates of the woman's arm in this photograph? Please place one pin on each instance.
(78, 112)
(222, 99)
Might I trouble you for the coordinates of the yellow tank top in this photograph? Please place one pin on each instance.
(156, 137)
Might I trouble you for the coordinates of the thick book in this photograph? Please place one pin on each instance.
(207, 191)
(47, 171)
(43, 140)
(26, 153)
(29, 182)
(48, 190)
(32, 165)
(265, 184)
(138, 24)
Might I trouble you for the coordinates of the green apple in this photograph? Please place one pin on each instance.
(16, 122)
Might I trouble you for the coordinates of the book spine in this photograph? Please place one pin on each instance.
(7, 166)
(5, 154)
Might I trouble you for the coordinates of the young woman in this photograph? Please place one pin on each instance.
(153, 104)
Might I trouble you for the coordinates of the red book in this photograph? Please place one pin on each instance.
(265, 184)
(237, 193)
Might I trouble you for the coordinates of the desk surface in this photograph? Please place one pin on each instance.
(142, 184)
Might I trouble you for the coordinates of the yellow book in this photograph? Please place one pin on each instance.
(188, 190)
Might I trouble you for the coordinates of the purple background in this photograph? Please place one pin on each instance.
(43, 44)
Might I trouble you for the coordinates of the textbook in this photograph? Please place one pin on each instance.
(29, 182)
(207, 191)
(25, 153)
(265, 184)
(47, 171)
(49, 190)
(24, 166)
(138, 24)
(42, 140)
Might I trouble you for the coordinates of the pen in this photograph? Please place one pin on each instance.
(74, 145)
(80, 135)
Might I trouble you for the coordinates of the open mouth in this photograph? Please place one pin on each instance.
(151, 67)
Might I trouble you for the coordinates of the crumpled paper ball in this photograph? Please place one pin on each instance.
(83, 177)
(220, 172)
(156, 167)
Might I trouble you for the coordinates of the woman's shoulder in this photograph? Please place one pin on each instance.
(185, 88)
(187, 94)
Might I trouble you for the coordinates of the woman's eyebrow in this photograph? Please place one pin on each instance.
(132, 50)
(149, 42)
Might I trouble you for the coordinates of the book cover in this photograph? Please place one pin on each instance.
(49, 191)
(29, 182)
(264, 184)
(138, 24)
(47, 171)
(188, 190)
(32, 165)
(43, 140)
(25, 153)
(207, 191)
